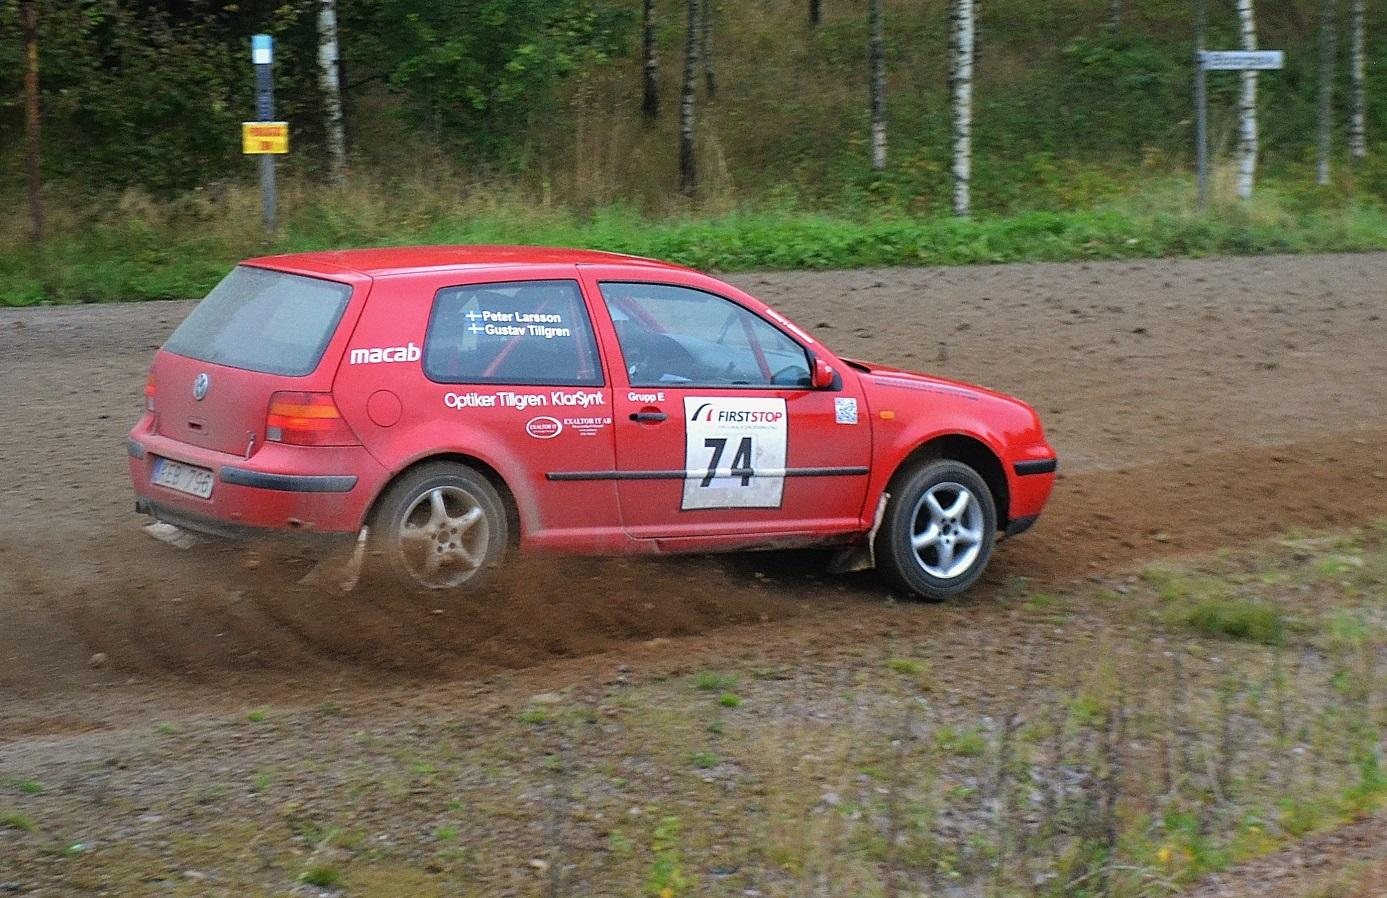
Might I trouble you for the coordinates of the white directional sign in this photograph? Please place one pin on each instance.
(1242, 60)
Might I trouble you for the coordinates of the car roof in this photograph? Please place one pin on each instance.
(389, 260)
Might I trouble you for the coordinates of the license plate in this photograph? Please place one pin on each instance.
(185, 478)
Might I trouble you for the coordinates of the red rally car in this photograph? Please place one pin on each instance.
(456, 403)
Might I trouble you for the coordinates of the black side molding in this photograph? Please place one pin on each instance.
(1036, 466)
(680, 475)
(289, 483)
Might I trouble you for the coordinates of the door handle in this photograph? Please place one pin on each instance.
(649, 417)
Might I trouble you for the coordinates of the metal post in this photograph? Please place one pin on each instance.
(1201, 101)
(262, 55)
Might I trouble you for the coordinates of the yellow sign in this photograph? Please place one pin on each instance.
(264, 137)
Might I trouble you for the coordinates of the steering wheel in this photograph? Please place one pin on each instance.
(653, 356)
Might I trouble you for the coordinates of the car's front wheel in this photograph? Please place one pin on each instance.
(937, 535)
(441, 526)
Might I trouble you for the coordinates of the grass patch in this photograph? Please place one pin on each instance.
(324, 876)
(16, 820)
(704, 760)
(730, 700)
(535, 715)
(28, 787)
(712, 681)
(148, 250)
(257, 715)
(1236, 619)
(962, 743)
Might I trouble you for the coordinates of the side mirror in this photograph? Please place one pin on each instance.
(824, 376)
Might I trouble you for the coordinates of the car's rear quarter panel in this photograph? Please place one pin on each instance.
(556, 516)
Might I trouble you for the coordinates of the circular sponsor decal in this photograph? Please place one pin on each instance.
(544, 428)
(200, 386)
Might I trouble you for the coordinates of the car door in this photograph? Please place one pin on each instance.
(718, 432)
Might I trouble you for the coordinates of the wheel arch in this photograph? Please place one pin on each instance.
(479, 465)
(972, 452)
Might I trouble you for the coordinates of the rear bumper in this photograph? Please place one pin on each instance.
(239, 532)
(285, 489)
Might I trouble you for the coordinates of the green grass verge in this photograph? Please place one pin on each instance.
(144, 250)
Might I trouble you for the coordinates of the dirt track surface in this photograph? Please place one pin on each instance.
(1194, 404)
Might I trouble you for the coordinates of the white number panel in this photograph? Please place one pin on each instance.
(734, 452)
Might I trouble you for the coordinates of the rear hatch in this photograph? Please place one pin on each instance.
(257, 332)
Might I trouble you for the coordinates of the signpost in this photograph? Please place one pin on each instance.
(265, 137)
(1220, 61)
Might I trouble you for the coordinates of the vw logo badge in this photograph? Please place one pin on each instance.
(200, 386)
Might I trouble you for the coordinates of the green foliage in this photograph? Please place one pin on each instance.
(730, 700)
(480, 70)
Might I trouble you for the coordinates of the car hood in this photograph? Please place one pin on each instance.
(886, 374)
(934, 395)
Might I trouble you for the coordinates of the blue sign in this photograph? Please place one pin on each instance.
(261, 49)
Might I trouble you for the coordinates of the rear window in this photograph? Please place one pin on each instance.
(265, 321)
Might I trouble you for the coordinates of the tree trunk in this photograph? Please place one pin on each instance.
(688, 175)
(1247, 107)
(1328, 24)
(650, 101)
(29, 24)
(329, 82)
(709, 82)
(964, 15)
(877, 60)
(1358, 117)
(816, 13)
(1114, 14)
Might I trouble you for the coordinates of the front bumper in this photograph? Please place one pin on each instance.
(268, 492)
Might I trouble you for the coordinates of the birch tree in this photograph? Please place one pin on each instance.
(1328, 23)
(964, 38)
(650, 99)
(709, 82)
(29, 25)
(688, 175)
(1358, 115)
(1114, 14)
(877, 61)
(329, 82)
(1247, 107)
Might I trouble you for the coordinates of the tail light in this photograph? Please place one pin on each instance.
(306, 419)
(149, 393)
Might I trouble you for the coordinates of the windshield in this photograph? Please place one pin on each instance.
(265, 321)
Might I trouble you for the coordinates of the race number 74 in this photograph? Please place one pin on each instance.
(741, 460)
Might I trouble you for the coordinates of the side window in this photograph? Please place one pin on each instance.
(677, 335)
(524, 333)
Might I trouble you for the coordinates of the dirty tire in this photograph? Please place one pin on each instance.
(937, 536)
(440, 526)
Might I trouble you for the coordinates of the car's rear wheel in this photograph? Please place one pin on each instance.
(441, 526)
(937, 535)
